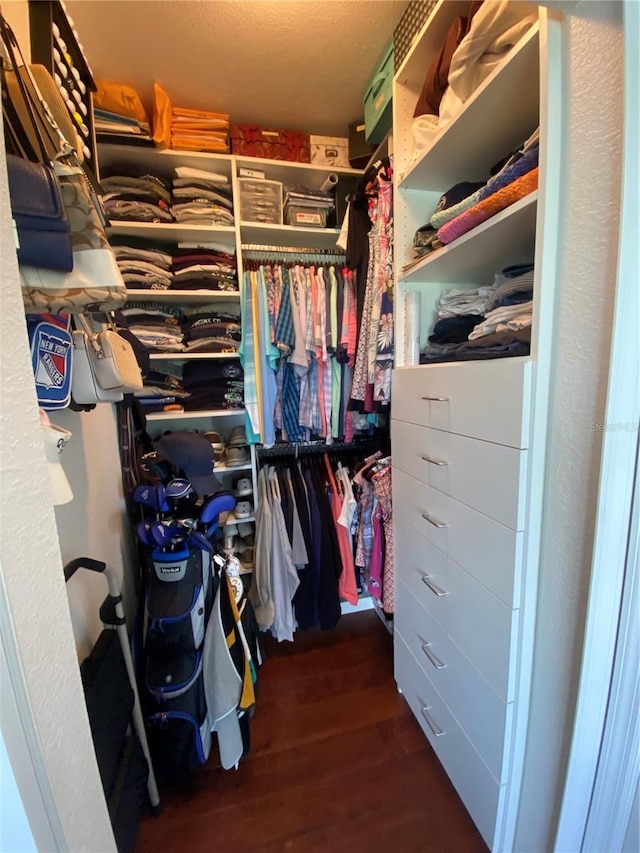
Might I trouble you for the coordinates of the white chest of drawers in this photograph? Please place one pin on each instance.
(459, 448)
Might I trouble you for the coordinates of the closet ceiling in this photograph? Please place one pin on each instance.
(295, 64)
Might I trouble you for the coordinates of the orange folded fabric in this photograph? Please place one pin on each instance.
(487, 208)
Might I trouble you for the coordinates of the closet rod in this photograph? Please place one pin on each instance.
(293, 250)
(369, 443)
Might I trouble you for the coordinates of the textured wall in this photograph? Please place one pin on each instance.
(31, 573)
(94, 523)
(299, 64)
(585, 310)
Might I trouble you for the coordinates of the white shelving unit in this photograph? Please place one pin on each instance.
(199, 415)
(174, 232)
(463, 150)
(466, 452)
(186, 297)
(288, 235)
(227, 238)
(192, 356)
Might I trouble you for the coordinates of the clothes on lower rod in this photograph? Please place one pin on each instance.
(333, 528)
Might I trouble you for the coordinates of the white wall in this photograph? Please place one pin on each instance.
(592, 159)
(94, 523)
(35, 627)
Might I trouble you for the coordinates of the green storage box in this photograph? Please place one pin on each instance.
(377, 100)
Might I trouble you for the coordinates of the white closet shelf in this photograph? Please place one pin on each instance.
(185, 297)
(288, 235)
(176, 232)
(167, 160)
(231, 519)
(203, 413)
(429, 41)
(192, 356)
(514, 84)
(481, 252)
(310, 175)
(226, 469)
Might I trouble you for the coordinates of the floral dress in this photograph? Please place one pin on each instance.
(374, 357)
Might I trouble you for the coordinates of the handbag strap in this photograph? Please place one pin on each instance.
(55, 134)
(17, 138)
(90, 332)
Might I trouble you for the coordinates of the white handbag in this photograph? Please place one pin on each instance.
(85, 388)
(112, 359)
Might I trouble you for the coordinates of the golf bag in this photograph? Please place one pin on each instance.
(180, 589)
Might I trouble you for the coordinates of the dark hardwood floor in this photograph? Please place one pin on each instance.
(337, 763)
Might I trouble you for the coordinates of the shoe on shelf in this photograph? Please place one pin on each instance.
(246, 559)
(217, 443)
(237, 437)
(243, 510)
(236, 456)
(245, 529)
(215, 439)
(244, 487)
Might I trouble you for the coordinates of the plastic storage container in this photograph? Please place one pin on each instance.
(260, 201)
(306, 217)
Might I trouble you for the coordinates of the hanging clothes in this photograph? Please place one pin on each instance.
(329, 525)
(303, 320)
(371, 386)
(347, 587)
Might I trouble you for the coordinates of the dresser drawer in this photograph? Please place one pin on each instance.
(488, 550)
(487, 400)
(481, 625)
(488, 477)
(478, 789)
(482, 714)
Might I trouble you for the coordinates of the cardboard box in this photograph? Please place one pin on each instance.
(330, 151)
(250, 140)
(360, 150)
(377, 100)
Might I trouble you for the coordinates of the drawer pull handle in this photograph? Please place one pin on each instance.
(435, 461)
(437, 731)
(437, 399)
(426, 648)
(435, 589)
(428, 517)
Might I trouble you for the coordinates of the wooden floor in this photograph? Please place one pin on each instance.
(337, 763)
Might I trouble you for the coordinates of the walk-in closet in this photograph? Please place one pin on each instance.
(313, 345)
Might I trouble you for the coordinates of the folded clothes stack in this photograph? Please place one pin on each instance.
(155, 325)
(131, 194)
(467, 205)
(163, 390)
(201, 197)
(114, 127)
(204, 269)
(208, 329)
(144, 269)
(199, 130)
(213, 385)
(487, 322)
(459, 302)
